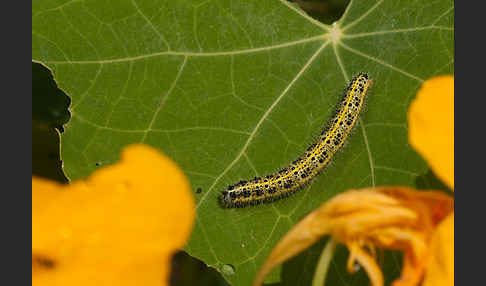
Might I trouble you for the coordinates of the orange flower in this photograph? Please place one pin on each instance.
(440, 270)
(118, 227)
(418, 223)
(431, 126)
(432, 135)
(397, 218)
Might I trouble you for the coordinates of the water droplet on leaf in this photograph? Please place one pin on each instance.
(228, 269)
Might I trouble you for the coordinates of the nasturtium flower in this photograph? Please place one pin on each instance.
(440, 269)
(120, 226)
(431, 126)
(391, 217)
(420, 223)
(431, 134)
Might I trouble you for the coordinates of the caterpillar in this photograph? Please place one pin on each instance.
(317, 156)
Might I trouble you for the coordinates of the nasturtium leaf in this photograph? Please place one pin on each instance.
(235, 89)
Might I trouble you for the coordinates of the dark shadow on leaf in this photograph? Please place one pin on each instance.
(429, 181)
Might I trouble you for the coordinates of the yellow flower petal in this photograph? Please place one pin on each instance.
(118, 227)
(431, 126)
(440, 270)
(397, 218)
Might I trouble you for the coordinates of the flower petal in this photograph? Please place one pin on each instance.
(367, 261)
(431, 126)
(118, 227)
(391, 217)
(440, 270)
(300, 237)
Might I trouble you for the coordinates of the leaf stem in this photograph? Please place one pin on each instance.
(324, 262)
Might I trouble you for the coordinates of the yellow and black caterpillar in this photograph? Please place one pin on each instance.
(293, 177)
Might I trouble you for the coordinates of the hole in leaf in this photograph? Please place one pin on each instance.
(324, 11)
(187, 270)
(49, 112)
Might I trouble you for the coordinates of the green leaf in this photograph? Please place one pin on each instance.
(234, 89)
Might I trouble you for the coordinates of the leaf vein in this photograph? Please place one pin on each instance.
(404, 30)
(381, 62)
(161, 37)
(164, 98)
(364, 15)
(196, 54)
(262, 119)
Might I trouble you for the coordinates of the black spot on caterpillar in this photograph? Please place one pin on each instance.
(318, 155)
